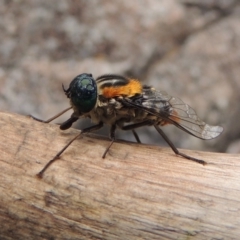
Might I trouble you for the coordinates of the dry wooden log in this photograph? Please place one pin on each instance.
(137, 192)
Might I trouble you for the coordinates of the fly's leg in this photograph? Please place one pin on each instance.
(147, 123)
(136, 136)
(86, 130)
(112, 137)
(160, 131)
(136, 125)
(40, 174)
(52, 118)
(67, 124)
(128, 127)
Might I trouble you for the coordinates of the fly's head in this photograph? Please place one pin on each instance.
(82, 92)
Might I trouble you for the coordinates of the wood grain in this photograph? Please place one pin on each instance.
(137, 192)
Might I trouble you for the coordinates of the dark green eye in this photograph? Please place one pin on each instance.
(83, 92)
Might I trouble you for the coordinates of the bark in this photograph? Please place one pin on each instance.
(137, 192)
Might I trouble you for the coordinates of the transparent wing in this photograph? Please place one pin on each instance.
(185, 117)
(175, 111)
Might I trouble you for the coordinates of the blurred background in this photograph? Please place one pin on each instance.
(189, 48)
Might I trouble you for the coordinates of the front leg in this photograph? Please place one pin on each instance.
(52, 118)
(86, 130)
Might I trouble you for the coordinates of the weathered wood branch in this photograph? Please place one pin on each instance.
(137, 192)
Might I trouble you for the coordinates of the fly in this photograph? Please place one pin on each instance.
(125, 103)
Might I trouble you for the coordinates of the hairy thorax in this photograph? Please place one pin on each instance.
(111, 111)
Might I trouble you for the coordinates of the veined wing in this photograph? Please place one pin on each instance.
(174, 111)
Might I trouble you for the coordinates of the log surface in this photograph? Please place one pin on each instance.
(137, 192)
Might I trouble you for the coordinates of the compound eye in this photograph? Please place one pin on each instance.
(83, 92)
